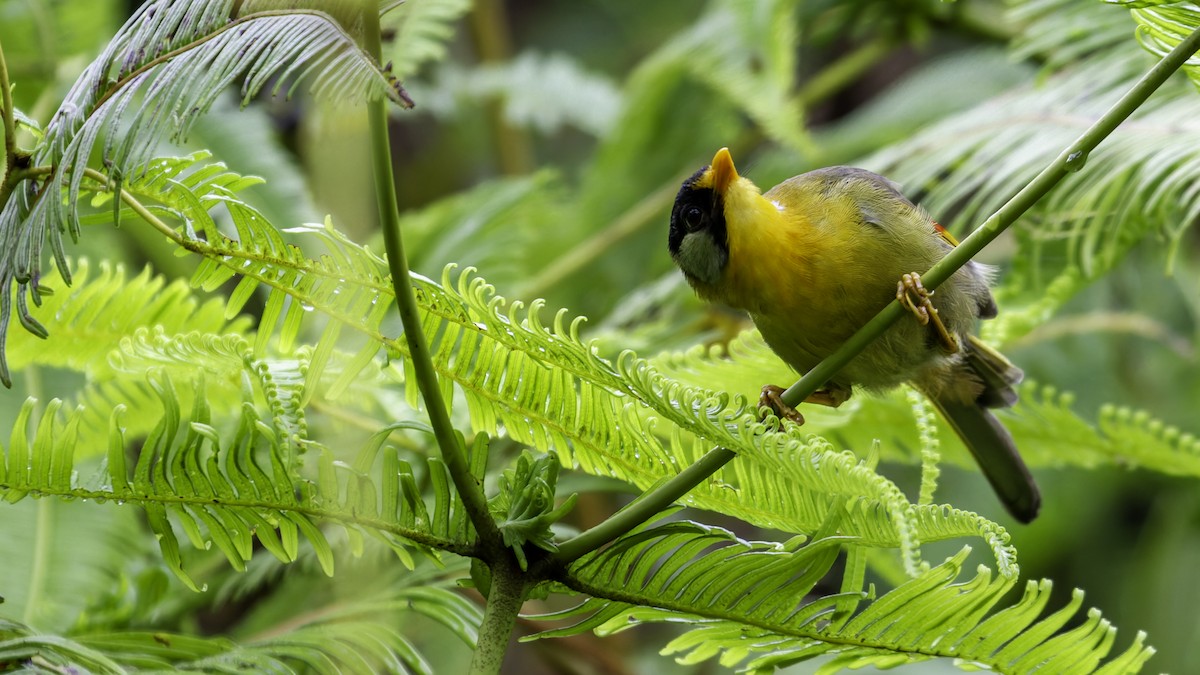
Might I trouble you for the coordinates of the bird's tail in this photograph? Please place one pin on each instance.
(987, 439)
(994, 450)
(997, 373)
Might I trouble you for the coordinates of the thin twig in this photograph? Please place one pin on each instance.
(8, 115)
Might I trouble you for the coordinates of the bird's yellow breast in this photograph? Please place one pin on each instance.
(771, 250)
(806, 267)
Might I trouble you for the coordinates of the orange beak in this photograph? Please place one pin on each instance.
(723, 173)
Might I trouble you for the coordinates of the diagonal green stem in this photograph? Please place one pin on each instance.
(452, 451)
(1071, 159)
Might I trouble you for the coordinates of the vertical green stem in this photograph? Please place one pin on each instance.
(8, 116)
(504, 601)
(452, 451)
(9, 120)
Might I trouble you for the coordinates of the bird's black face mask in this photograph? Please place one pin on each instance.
(697, 240)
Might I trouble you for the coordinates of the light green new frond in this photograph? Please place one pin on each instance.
(228, 364)
(228, 487)
(164, 69)
(1138, 439)
(1163, 25)
(752, 604)
(89, 318)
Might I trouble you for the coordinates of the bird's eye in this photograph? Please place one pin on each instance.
(693, 217)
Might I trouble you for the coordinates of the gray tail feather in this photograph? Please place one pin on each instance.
(998, 374)
(994, 450)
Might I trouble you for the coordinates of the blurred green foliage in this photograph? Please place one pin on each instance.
(546, 146)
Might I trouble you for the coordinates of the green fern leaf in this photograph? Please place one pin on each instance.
(750, 602)
(230, 488)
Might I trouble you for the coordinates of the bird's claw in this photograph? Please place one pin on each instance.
(772, 399)
(914, 297)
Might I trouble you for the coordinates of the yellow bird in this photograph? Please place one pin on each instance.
(816, 257)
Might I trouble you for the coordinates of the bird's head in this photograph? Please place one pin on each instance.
(698, 238)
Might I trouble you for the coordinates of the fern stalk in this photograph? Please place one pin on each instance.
(406, 303)
(1070, 160)
(8, 117)
(504, 600)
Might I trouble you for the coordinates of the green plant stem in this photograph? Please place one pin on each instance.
(504, 601)
(452, 451)
(1071, 159)
(643, 508)
(9, 118)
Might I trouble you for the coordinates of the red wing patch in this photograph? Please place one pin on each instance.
(944, 234)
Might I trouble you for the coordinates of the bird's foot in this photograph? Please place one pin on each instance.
(832, 396)
(772, 400)
(914, 297)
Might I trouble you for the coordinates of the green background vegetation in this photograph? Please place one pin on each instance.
(547, 143)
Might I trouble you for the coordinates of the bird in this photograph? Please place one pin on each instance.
(814, 258)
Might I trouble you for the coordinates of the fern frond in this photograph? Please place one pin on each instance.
(164, 69)
(360, 636)
(753, 600)
(228, 488)
(90, 318)
(1043, 423)
(542, 385)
